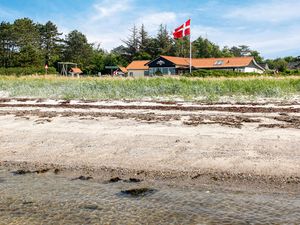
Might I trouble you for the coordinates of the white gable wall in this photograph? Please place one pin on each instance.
(252, 70)
(136, 73)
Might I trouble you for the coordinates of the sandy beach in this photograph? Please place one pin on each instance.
(190, 142)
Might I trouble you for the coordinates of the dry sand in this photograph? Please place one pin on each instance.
(194, 142)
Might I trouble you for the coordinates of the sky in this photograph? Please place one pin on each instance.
(270, 26)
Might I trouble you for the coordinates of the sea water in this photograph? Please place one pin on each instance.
(52, 199)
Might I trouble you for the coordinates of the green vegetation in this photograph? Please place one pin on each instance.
(223, 73)
(187, 88)
(20, 71)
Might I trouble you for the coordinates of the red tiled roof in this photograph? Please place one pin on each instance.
(138, 65)
(211, 62)
(177, 60)
(76, 70)
(123, 69)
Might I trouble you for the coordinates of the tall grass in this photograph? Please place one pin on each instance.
(186, 88)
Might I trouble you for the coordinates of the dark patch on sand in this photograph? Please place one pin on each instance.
(137, 192)
(84, 178)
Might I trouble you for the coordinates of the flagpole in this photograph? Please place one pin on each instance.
(190, 55)
(190, 52)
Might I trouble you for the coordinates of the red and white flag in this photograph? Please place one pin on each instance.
(183, 30)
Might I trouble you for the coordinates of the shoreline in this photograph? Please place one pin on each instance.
(184, 179)
(235, 146)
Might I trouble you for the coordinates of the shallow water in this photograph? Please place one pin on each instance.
(51, 199)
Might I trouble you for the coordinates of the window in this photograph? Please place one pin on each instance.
(219, 63)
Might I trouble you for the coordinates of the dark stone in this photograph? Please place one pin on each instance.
(133, 180)
(21, 172)
(196, 176)
(27, 203)
(115, 180)
(138, 192)
(24, 172)
(215, 178)
(42, 171)
(56, 171)
(92, 207)
(83, 178)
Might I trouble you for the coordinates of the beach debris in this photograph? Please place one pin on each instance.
(114, 180)
(24, 172)
(92, 207)
(138, 192)
(28, 203)
(21, 172)
(133, 180)
(83, 178)
(196, 176)
(41, 171)
(56, 171)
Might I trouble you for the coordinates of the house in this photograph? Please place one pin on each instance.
(138, 68)
(169, 65)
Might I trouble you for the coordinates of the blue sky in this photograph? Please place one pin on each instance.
(270, 26)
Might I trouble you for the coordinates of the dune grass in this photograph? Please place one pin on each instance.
(185, 88)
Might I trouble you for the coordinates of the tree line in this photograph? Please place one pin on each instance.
(25, 43)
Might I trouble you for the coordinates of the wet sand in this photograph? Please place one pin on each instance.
(182, 143)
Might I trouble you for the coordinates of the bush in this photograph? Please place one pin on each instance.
(23, 71)
(219, 73)
(291, 72)
(224, 73)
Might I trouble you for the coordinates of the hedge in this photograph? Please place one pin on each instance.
(224, 73)
(22, 71)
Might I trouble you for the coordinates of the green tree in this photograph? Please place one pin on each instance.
(77, 49)
(182, 47)
(279, 64)
(164, 43)
(226, 52)
(258, 58)
(132, 44)
(7, 44)
(27, 41)
(143, 39)
(50, 42)
(144, 45)
(203, 48)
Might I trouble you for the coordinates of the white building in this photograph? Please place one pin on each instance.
(138, 68)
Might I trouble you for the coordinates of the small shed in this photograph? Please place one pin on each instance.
(75, 71)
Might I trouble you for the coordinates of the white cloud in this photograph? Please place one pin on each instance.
(110, 8)
(273, 11)
(153, 20)
(270, 42)
(109, 21)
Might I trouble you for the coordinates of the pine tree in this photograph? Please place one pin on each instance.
(132, 44)
(164, 41)
(50, 42)
(7, 44)
(27, 40)
(77, 49)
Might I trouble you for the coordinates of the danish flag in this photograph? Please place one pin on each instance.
(183, 30)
